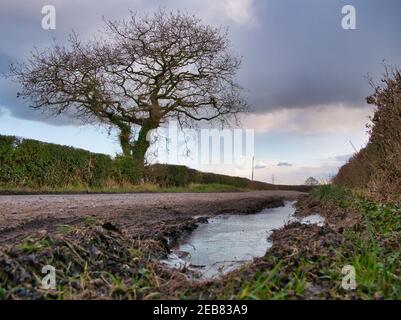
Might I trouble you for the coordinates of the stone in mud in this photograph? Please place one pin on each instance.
(202, 220)
(94, 251)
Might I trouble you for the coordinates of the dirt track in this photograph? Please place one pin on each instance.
(142, 214)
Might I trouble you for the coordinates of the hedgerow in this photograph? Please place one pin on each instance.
(376, 169)
(32, 164)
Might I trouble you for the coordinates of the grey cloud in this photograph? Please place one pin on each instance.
(303, 57)
(284, 164)
(260, 166)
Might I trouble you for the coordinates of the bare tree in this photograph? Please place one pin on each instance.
(311, 181)
(139, 73)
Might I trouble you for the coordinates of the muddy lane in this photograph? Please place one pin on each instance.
(147, 215)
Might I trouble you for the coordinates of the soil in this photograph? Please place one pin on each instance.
(151, 216)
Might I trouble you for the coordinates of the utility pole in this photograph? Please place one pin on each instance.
(272, 178)
(253, 166)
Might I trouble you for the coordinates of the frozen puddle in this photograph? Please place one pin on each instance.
(229, 241)
(313, 219)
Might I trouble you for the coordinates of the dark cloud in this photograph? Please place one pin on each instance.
(295, 53)
(302, 56)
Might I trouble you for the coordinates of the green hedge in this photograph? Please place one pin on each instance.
(168, 175)
(376, 169)
(34, 164)
(26, 163)
(30, 163)
(173, 175)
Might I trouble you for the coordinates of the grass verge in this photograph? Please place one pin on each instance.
(143, 188)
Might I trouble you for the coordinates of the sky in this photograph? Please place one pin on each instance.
(305, 76)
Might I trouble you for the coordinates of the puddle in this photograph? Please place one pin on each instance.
(227, 242)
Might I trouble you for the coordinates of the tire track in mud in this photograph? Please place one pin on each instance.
(9, 234)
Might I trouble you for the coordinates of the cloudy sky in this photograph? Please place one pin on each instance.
(305, 75)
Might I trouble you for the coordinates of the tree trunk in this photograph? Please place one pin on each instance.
(135, 152)
(125, 139)
(141, 145)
